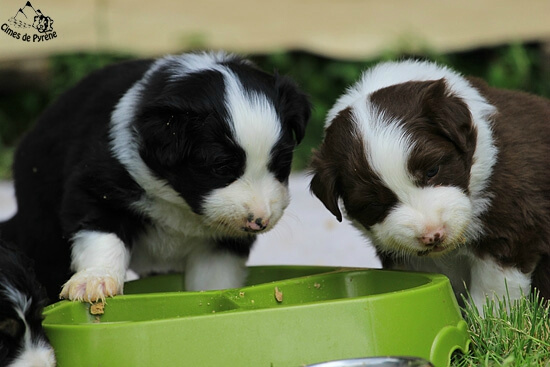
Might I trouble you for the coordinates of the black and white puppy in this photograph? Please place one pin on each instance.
(443, 173)
(22, 339)
(174, 164)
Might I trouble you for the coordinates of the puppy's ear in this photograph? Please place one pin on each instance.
(295, 108)
(323, 184)
(449, 114)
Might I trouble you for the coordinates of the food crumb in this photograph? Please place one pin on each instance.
(278, 295)
(330, 224)
(97, 308)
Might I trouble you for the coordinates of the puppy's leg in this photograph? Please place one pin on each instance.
(100, 261)
(489, 279)
(214, 270)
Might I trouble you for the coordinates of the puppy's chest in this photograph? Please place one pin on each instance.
(161, 249)
(170, 219)
(456, 266)
(173, 232)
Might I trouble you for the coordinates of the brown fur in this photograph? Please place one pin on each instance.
(518, 223)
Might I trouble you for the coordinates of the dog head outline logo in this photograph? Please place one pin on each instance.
(28, 17)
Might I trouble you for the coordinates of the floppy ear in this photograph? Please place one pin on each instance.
(449, 114)
(323, 184)
(295, 108)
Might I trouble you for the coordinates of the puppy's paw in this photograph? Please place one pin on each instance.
(92, 285)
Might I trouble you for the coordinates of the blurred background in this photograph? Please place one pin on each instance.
(323, 44)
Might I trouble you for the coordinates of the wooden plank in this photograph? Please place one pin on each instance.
(343, 28)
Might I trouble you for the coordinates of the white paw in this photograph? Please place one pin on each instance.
(92, 285)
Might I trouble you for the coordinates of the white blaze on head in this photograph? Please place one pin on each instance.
(387, 145)
(256, 196)
(255, 123)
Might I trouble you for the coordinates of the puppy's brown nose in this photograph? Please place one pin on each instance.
(254, 224)
(433, 238)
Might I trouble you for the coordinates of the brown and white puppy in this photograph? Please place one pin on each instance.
(443, 173)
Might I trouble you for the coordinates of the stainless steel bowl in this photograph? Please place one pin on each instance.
(376, 362)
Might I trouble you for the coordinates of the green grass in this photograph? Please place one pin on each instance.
(6, 159)
(517, 333)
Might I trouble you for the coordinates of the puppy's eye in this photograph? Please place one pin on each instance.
(221, 170)
(10, 327)
(224, 168)
(432, 172)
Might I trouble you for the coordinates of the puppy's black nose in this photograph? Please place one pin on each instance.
(254, 224)
(433, 238)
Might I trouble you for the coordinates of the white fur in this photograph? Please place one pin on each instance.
(20, 300)
(254, 120)
(387, 145)
(182, 65)
(490, 279)
(100, 261)
(214, 270)
(161, 249)
(34, 353)
(420, 209)
(260, 195)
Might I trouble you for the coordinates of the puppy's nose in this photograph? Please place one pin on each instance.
(256, 224)
(433, 238)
